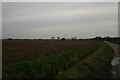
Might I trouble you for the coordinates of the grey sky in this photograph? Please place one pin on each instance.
(60, 0)
(0, 20)
(44, 20)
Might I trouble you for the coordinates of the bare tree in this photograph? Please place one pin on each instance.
(53, 38)
(58, 38)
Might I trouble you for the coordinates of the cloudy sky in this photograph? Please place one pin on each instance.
(63, 19)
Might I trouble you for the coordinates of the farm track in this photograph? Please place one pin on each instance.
(0, 59)
(116, 60)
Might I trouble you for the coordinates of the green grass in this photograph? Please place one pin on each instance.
(97, 65)
(86, 61)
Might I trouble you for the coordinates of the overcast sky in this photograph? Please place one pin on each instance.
(70, 19)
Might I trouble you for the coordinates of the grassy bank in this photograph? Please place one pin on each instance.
(97, 65)
(86, 61)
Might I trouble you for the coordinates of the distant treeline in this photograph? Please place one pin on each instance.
(73, 38)
(98, 38)
(110, 39)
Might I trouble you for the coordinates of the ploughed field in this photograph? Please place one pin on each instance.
(19, 50)
(56, 59)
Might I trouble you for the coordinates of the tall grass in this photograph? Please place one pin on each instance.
(96, 65)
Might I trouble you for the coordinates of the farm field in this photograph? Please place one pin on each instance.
(19, 50)
(56, 59)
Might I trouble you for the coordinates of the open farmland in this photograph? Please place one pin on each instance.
(19, 50)
(56, 59)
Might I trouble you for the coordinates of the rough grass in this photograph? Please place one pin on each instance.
(97, 65)
(87, 61)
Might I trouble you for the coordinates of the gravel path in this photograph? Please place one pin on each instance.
(0, 59)
(116, 60)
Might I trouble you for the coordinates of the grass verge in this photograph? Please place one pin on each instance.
(97, 65)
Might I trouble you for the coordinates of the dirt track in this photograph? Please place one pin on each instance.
(116, 60)
(0, 59)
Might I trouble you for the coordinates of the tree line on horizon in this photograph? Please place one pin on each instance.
(73, 38)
